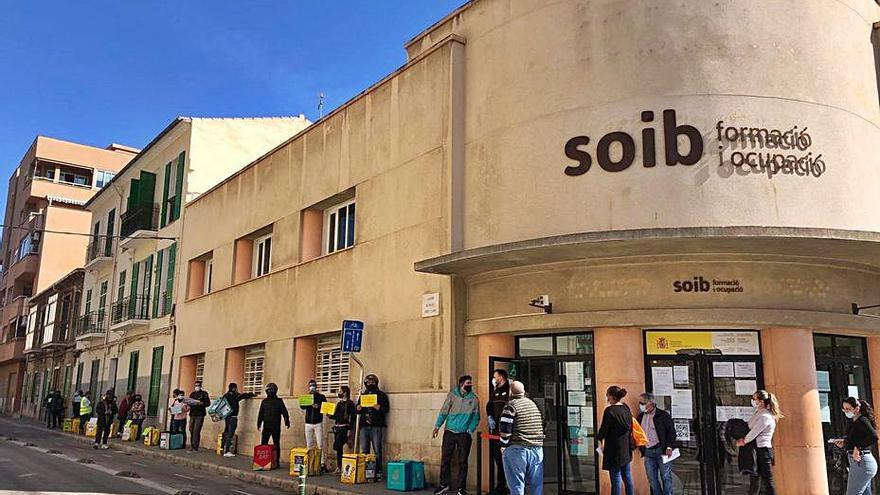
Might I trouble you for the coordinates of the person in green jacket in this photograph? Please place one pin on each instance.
(461, 414)
(85, 412)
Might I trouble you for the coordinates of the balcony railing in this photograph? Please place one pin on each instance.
(165, 304)
(100, 247)
(93, 323)
(143, 217)
(131, 308)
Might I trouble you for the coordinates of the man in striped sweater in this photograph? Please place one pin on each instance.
(461, 414)
(522, 443)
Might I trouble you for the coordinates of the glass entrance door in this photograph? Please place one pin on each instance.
(576, 428)
(841, 372)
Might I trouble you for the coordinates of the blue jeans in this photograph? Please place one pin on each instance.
(658, 471)
(861, 474)
(373, 437)
(524, 466)
(623, 472)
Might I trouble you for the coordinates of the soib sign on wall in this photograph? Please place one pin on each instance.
(787, 150)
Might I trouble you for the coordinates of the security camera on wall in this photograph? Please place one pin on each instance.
(543, 302)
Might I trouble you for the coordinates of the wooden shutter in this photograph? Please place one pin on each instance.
(178, 194)
(135, 310)
(165, 194)
(169, 285)
(133, 195)
(132, 370)
(108, 241)
(155, 381)
(158, 283)
(147, 188)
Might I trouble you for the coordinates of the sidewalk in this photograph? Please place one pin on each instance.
(238, 467)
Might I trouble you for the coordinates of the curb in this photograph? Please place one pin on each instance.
(291, 484)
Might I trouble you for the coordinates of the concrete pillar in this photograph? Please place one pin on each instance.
(312, 232)
(196, 279)
(790, 373)
(620, 361)
(244, 258)
(874, 366)
(187, 374)
(498, 345)
(305, 352)
(235, 366)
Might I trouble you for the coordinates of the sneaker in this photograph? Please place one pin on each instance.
(229, 454)
(441, 490)
(461, 491)
(95, 446)
(105, 446)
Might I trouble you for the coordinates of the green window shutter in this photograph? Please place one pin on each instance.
(133, 195)
(65, 390)
(165, 194)
(132, 370)
(88, 304)
(169, 286)
(148, 278)
(79, 377)
(120, 290)
(134, 309)
(155, 381)
(178, 195)
(108, 240)
(158, 277)
(148, 188)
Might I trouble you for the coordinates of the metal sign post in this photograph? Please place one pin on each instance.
(352, 340)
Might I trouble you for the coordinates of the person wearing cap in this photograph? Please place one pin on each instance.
(372, 421)
(272, 409)
(314, 422)
(104, 411)
(522, 441)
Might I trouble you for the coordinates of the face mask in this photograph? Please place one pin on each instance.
(341, 396)
(643, 408)
(495, 383)
(754, 403)
(468, 388)
(198, 389)
(312, 388)
(850, 414)
(180, 397)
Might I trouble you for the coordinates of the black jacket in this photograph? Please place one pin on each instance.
(498, 398)
(272, 409)
(57, 403)
(665, 430)
(616, 430)
(199, 410)
(313, 414)
(369, 416)
(234, 398)
(105, 410)
(344, 414)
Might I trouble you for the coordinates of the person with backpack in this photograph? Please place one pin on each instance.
(272, 409)
(615, 435)
(762, 425)
(861, 437)
(660, 432)
(232, 398)
(104, 411)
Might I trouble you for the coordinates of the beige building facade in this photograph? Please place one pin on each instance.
(125, 332)
(44, 199)
(693, 187)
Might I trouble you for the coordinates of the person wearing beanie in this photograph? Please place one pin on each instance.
(461, 415)
(522, 438)
(615, 435)
(272, 409)
(372, 422)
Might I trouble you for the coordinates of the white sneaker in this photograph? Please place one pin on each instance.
(229, 454)
(105, 446)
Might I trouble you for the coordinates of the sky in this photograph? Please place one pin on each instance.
(100, 72)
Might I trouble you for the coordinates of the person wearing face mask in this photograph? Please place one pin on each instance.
(615, 434)
(499, 397)
(272, 409)
(124, 408)
(199, 402)
(861, 436)
(343, 417)
(461, 415)
(660, 431)
(231, 422)
(138, 414)
(373, 422)
(178, 408)
(762, 425)
(522, 439)
(314, 422)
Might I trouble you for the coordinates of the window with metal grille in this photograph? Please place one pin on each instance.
(253, 369)
(200, 368)
(331, 366)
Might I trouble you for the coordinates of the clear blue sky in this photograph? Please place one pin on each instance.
(105, 71)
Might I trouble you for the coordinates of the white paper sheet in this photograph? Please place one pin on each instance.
(745, 412)
(586, 417)
(662, 377)
(574, 375)
(853, 391)
(823, 381)
(745, 387)
(680, 376)
(723, 369)
(682, 431)
(577, 398)
(745, 370)
(724, 413)
(824, 407)
(669, 458)
(682, 404)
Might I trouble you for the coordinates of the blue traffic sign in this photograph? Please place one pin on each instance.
(352, 335)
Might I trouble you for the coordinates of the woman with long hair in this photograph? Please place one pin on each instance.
(615, 435)
(861, 435)
(762, 424)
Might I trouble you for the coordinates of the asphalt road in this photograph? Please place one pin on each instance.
(26, 468)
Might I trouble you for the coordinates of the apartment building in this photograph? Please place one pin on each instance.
(49, 344)
(45, 196)
(125, 331)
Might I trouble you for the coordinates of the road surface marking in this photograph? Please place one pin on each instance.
(239, 491)
(184, 477)
(141, 464)
(27, 475)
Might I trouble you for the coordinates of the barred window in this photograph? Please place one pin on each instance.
(253, 369)
(331, 367)
(200, 368)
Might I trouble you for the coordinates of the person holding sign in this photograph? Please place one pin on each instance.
(311, 404)
(660, 431)
(343, 416)
(372, 407)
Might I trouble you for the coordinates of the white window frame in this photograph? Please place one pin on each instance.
(254, 363)
(209, 275)
(262, 261)
(103, 177)
(31, 328)
(49, 314)
(332, 366)
(200, 368)
(330, 238)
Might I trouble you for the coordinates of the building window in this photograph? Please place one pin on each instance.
(253, 369)
(331, 366)
(209, 275)
(94, 386)
(79, 378)
(164, 281)
(200, 368)
(173, 193)
(120, 289)
(339, 222)
(262, 255)
(102, 300)
(133, 361)
(155, 381)
(103, 177)
(49, 319)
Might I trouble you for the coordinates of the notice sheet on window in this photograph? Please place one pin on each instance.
(682, 404)
(680, 376)
(723, 369)
(662, 379)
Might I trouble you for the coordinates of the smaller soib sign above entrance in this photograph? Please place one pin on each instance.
(742, 343)
(702, 284)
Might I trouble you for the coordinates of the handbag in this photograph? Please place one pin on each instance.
(639, 438)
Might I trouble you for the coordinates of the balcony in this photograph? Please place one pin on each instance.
(139, 226)
(130, 312)
(59, 337)
(32, 342)
(92, 325)
(12, 350)
(99, 253)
